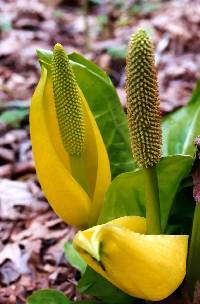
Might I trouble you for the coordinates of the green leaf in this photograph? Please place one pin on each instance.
(49, 296)
(85, 302)
(117, 52)
(93, 284)
(5, 25)
(44, 56)
(182, 212)
(182, 126)
(13, 118)
(78, 58)
(125, 195)
(106, 108)
(74, 257)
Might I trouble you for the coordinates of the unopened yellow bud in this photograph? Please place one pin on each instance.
(68, 103)
(143, 101)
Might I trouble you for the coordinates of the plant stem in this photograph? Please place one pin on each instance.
(193, 270)
(152, 200)
(87, 32)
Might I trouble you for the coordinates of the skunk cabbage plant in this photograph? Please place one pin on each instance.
(132, 244)
(71, 160)
(150, 266)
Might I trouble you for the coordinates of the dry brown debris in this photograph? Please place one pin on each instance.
(32, 236)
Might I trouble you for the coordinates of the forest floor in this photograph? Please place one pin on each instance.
(32, 236)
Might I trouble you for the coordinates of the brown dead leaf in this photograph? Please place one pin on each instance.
(6, 171)
(17, 202)
(38, 230)
(8, 273)
(16, 253)
(28, 226)
(13, 136)
(6, 155)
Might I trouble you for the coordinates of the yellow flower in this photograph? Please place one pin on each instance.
(74, 184)
(150, 267)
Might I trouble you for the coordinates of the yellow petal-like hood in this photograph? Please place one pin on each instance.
(97, 164)
(150, 267)
(66, 196)
(63, 192)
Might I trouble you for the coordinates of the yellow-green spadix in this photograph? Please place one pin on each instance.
(71, 160)
(150, 267)
(143, 101)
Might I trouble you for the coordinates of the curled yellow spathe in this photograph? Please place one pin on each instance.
(150, 267)
(66, 196)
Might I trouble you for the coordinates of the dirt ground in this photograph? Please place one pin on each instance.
(31, 235)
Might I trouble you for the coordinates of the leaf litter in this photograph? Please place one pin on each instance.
(32, 236)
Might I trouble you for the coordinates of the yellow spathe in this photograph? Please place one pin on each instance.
(150, 267)
(65, 195)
